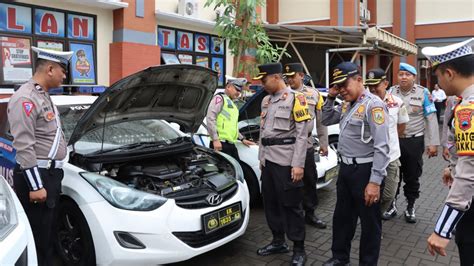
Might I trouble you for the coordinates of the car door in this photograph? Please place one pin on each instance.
(7, 152)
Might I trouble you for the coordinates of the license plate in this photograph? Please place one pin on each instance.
(331, 173)
(221, 218)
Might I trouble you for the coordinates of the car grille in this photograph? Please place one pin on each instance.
(198, 200)
(199, 239)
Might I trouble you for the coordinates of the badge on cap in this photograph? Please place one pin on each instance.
(28, 107)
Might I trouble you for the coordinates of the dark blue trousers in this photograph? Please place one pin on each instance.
(350, 206)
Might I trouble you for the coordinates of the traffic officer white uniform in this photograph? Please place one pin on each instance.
(421, 130)
(283, 141)
(398, 117)
(454, 68)
(294, 73)
(40, 147)
(364, 152)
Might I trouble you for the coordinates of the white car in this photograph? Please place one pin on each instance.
(137, 191)
(249, 125)
(17, 246)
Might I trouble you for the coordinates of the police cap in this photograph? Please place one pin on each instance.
(62, 58)
(439, 55)
(343, 71)
(375, 76)
(293, 68)
(268, 69)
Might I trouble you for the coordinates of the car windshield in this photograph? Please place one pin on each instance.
(116, 135)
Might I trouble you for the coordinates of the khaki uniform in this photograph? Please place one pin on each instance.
(283, 143)
(215, 107)
(33, 123)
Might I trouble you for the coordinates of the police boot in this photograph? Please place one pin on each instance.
(299, 258)
(391, 212)
(410, 214)
(336, 262)
(273, 248)
(313, 220)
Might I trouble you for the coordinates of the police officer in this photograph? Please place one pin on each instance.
(283, 141)
(40, 147)
(376, 81)
(421, 111)
(223, 117)
(294, 74)
(364, 153)
(454, 68)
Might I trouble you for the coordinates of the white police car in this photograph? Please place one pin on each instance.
(136, 190)
(17, 246)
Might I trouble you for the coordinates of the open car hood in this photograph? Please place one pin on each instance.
(175, 93)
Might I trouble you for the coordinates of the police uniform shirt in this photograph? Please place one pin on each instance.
(215, 107)
(315, 102)
(277, 121)
(33, 123)
(420, 106)
(364, 131)
(462, 190)
(397, 114)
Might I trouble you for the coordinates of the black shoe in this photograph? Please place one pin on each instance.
(391, 212)
(410, 215)
(313, 220)
(336, 262)
(298, 259)
(273, 249)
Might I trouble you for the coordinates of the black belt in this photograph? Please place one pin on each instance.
(277, 141)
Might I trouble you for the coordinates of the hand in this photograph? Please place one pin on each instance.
(38, 196)
(247, 142)
(432, 151)
(333, 91)
(217, 145)
(372, 193)
(446, 154)
(447, 177)
(297, 174)
(323, 150)
(437, 244)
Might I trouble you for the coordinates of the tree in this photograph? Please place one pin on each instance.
(241, 26)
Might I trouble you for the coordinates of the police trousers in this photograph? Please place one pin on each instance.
(282, 201)
(228, 148)
(42, 216)
(310, 196)
(411, 160)
(465, 238)
(350, 206)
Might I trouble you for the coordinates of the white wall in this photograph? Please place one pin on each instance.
(439, 11)
(298, 10)
(171, 6)
(104, 32)
(385, 12)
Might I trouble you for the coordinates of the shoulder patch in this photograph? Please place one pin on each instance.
(28, 107)
(464, 130)
(300, 108)
(377, 115)
(218, 99)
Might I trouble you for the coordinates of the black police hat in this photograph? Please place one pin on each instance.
(268, 69)
(375, 76)
(293, 68)
(343, 71)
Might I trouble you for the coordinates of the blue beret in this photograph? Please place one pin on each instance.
(407, 67)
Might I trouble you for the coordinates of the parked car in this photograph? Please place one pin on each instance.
(249, 126)
(17, 246)
(136, 190)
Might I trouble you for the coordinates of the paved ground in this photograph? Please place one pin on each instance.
(403, 243)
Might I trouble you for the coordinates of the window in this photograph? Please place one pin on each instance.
(23, 26)
(188, 47)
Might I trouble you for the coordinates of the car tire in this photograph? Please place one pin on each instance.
(73, 237)
(253, 186)
(333, 141)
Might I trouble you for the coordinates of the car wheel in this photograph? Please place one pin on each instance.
(253, 186)
(73, 238)
(333, 140)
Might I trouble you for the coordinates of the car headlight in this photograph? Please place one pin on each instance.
(8, 215)
(239, 174)
(122, 196)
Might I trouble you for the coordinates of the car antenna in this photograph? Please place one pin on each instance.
(103, 129)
